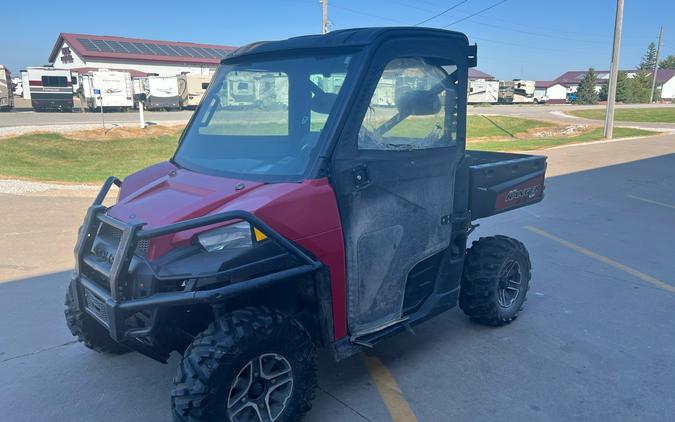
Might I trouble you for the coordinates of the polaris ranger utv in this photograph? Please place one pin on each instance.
(335, 219)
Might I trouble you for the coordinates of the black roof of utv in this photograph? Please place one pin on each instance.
(344, 38)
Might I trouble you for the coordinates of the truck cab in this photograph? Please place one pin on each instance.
(334, 219)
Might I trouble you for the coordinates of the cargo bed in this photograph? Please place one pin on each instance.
(501, 181)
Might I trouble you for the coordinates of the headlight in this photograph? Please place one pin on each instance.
(233, 236)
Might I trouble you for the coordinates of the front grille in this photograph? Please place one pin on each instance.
(113, 234)
(96, 306)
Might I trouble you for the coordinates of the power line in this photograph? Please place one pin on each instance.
(371, 15)
(475, 14)
(442, 13)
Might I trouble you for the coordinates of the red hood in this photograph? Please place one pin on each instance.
(165, 194)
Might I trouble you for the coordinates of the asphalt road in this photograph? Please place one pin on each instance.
(594, 342)
(25, 120)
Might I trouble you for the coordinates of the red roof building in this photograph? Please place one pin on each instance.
(79, 51)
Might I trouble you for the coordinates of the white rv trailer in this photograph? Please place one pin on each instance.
(50, 89)
(115, 89)
(483, 91)
(6, 89)
(18, 87)
(161, 92)
(505, 95)
(195, 85)
(523, 91)
(25, 84)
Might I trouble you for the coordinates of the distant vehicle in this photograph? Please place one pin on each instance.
(115, 87)
(505, 95)
(161, 92)
(6, 89)
(572, 97)
(523, 91)
(483, 91)
(541, 100)
(195, 86)
(49, 88)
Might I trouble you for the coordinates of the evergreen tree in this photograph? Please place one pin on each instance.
(623, 92)
(586, 92)
(649, 59)
(641, 86)
(667, 63)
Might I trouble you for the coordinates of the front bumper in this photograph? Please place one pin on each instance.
(102, 285)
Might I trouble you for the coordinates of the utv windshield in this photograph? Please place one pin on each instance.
(262, 120)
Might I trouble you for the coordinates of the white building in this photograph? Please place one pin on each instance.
(554, 91)
(665, 79)
(81, 53)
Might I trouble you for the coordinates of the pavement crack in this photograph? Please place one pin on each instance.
(346, 405)
(68, 343)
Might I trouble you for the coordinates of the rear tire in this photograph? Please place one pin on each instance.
(252, 360)
(88, 331)
(496, 278)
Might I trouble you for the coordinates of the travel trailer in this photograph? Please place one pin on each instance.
(195, 86)
(49, 88)
(112, 89)
(161, 92)
(25, 84)
(18, 87)
(505, 95)
(6, 89)
(523, 91)
(483, 91)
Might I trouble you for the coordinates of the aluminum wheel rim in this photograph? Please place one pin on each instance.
(510, 281)
(261, 390)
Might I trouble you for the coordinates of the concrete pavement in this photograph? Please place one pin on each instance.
(594, 341)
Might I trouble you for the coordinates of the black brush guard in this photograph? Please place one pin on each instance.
(113, 309)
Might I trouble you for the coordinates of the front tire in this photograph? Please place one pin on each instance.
(495, 281)
(254, 364)
(88, 331)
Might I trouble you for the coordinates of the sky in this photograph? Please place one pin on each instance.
(527, 39)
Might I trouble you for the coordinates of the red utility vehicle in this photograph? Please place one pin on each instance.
(321, 196)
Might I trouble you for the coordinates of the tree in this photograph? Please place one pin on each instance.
(649, 59)
(586, 92)
(623, 89)
(667, 63)
(641, 86)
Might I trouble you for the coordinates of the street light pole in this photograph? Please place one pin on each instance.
(324, 17)
(656, 66)
(614, 72)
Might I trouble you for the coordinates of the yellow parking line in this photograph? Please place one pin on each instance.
(651, 201)
(389, 390)
(642, 276)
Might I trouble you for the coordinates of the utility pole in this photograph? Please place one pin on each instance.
(614, 72)
(656, 66)
(324, 18)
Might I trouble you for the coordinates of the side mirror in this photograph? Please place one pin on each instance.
(418, 103)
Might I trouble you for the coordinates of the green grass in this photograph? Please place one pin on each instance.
(501, 126)
(54, 157)
(539, 143)
(655, 115)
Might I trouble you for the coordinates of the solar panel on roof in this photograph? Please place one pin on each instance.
(142, 48)
(130, 47)
(174, 50)
(117, 48)
(155, 49)
(87, 44)
(103, 46)
(183, 52)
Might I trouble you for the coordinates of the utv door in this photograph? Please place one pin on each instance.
(393, 172)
